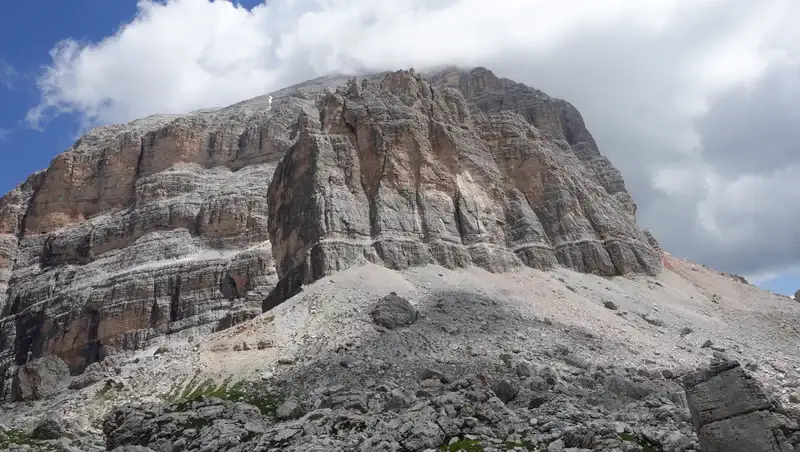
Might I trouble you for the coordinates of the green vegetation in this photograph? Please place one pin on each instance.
(473, 445)
(106, 394)
(647, 446)
(463, 445)
(19, 437)
(253, 393)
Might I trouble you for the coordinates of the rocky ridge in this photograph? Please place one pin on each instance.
(181, 225)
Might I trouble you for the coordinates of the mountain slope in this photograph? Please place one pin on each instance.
(169, 224)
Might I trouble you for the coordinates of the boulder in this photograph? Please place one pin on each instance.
(40, 378)
(289, 409)
(86, 379)
(394, 311)
(48, 428)
(731, 412)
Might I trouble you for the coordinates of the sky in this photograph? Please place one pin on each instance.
(697, 102)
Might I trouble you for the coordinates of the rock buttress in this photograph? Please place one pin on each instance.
(403, 171)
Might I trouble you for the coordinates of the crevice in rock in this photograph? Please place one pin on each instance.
(155, 314)
(91, 352)
(589, 266)
(322, 114)
(174, 303)
(13, 308)
(638, 255)
(741, 413)
(23, 221)
(46, 258)
(548, 234)
(140, 158)
(27, 342)
(372, 191)
(617, 268)
(459, 224)
(419, 206)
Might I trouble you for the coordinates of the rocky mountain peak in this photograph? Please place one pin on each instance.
(456, 169)
(397, 262)
(183, 224)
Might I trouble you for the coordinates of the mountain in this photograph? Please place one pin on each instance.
(462, 169)
(175, 224)
(401, 261)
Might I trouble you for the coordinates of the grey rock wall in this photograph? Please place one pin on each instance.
(407, 170)
(183, 224)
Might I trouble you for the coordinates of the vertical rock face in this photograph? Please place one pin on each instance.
(730, 411)
(177, 223)
(460, 168)
(141, 230)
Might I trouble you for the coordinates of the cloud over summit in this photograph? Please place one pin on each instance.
(694, 100)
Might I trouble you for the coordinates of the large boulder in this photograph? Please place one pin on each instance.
(394, 311)
(40, 378)
(48, 428)
(731, 412)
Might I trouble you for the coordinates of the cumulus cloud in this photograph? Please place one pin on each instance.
(694, 100)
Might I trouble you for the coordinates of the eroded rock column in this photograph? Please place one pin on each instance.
(731, 412)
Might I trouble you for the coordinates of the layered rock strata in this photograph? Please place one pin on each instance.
(455, 169)
(141, 230)
(169, 224)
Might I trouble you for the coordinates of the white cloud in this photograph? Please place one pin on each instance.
(645, 74)
(187, 54)
(7, 74)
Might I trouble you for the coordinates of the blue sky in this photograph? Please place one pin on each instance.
(704, 95)
(25, 47)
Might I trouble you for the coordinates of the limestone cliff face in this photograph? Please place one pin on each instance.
(142, 230)
(185, 223)
(458, 168)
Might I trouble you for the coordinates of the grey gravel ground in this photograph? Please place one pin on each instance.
(527, 359)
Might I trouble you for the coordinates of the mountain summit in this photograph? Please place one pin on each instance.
(173, 223)
(400, 262)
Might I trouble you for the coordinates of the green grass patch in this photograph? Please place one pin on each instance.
(106, 394)
(253, 393)
(463, 445)
(20, 437)
(647, 446)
